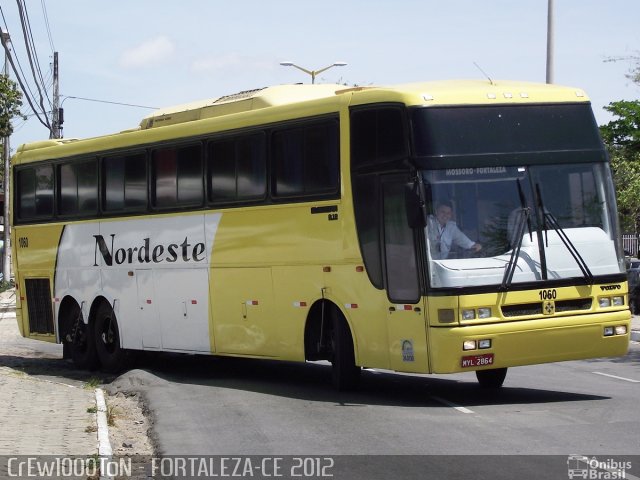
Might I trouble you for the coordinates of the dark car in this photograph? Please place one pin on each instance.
(633, 277)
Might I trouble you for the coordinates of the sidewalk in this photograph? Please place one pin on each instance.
(40, 417)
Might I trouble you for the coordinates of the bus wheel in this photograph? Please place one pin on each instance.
(111, 355)
(78, 341)
(491, 378)
(345, 374)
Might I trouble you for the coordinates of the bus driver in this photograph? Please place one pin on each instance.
(443, 233)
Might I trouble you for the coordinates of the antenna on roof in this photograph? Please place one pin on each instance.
(484, 73)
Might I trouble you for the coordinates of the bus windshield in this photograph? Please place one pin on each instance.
(509, 214)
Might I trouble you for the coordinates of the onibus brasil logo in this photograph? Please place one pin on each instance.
(581, 466)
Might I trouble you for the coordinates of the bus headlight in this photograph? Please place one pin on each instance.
(617, 301)
(608, 331)
(484, 343)
(484, 313)
(604, 302)
(468, 314)
(621, 329)
(469, 345)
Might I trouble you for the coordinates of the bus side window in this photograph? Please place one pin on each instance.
(176, 174)
(35, 192)
(306, 161)
(78, 188)
(125, 182)
(237, 169)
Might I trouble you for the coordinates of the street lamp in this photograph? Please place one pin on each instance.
(313, 73)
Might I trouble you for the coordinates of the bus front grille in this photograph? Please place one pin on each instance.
(572, 305)
(526, 309)
(39, 305)
(522, 310)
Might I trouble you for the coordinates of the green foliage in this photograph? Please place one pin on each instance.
(10, 103)
(623, 133)
(622, 137)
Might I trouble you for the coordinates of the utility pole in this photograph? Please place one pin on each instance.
(6, 258)
(550, 42)
(56, 123)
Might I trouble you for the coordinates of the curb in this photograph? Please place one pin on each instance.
(635, 335)
(104, 446)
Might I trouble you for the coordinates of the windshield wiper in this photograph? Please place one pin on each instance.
(523, 218)
(549, 219)
(522, 221)
(570, 246)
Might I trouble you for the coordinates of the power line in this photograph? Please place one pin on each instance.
(40, 113)
(32, 54)
(46, 24)
(44, 122)
(108, 101)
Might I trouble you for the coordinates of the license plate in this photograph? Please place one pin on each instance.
(477, 360)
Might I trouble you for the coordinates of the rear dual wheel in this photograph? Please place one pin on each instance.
(111, 355)
(79, 341)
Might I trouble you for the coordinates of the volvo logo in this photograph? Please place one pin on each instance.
(610, 287)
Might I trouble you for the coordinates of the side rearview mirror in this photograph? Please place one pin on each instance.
(413, 206)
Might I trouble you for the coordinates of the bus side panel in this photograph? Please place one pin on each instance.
(365, 308)
(296, 288)
(35, 254)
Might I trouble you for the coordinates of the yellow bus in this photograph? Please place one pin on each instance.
(434, 227)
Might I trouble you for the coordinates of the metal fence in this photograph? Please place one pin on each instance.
(630, 244)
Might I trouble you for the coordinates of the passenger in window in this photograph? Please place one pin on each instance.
(443, 233)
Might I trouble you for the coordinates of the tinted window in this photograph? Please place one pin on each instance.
(78, 188)
(35, 192)
(400, 254)
(377, 135)
(504, 129)
(125, 182)
(237, 169)
(306, 160)
(177, 176)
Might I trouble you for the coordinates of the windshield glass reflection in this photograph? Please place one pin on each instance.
(504, 225)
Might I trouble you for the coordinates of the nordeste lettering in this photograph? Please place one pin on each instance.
(147, 252)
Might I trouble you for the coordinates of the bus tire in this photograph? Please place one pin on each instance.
(112, 356)
(493, 378)
(79, 340)
(345, 374)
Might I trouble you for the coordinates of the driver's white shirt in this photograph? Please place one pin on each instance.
(441, 238)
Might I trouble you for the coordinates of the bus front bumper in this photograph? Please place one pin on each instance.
(529, 342)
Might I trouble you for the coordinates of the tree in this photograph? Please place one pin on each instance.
(10, 103)
(622, 138)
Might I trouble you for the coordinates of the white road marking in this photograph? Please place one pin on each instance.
(616, 377)
(451, 404)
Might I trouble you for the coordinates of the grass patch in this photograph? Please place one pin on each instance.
(112, 413)
(92, 383)
(4, 286)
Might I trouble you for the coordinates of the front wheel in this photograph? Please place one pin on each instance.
(345, 373)
(491, 378)
(107, 339)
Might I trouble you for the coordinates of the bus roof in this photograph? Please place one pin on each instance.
(449, 92)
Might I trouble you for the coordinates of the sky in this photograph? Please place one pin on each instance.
(161, 53)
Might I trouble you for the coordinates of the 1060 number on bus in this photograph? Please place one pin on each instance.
(550, 294)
